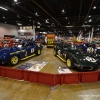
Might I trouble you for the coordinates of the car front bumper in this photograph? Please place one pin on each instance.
(86, 67)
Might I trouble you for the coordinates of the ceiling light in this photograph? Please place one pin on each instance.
(68, 22)
(15, 0)
(47, 21)
(38, 23)
(3, 8)
(90, 20)
(29, 16)
(19, 24)
(94, 7)
(29, 20)
(63, 10)
(89, 16)
(65, 17)
(36, 14)
(18, 16)
(3, 17)
(5, 22)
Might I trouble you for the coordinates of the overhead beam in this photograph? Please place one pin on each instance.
(16, 12)
(88, 11)
(97, 19)
(58, 5)
(80, 11)
(46, 12)
(29, 12)
(49, 6)
(69, 5)
(31, 6)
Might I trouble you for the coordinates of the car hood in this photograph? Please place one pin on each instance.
(5, 50)
(8, 50)
(87, 59)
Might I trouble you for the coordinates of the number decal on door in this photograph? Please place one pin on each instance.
(90, 59)
(59, 52)
(26, 53)
(32, 50)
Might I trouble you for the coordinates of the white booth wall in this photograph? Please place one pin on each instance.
(7, 29)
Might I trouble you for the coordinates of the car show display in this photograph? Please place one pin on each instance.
(6, 42)
(76, 58)
(12, 55)
(32, 65)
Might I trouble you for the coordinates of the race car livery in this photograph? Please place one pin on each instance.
(13, 55)
(76, 58)
(90, 48)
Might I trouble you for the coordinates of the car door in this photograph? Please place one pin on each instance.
(30, 50)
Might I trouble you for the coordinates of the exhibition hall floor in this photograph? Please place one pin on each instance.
(19, 90)
(52, 62)
(11, 89)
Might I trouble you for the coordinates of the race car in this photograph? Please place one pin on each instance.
(6, 42)
(75, 58)
(12, 55)
(88, 47)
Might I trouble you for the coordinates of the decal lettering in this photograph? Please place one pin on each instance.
(26, 53)
(90, 59)
(59, 52)
(32, 50)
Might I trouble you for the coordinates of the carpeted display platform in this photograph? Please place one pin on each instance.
(47, 69)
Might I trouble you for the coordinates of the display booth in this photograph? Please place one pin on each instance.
(50, 40)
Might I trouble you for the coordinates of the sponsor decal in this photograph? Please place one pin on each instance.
(90, 59)
(32, 50)
(59, 52)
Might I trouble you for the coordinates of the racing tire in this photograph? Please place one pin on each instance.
(69, 63)
(13, 60)
(38, 52)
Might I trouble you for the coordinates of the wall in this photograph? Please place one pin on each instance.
(7, 29)
(25, 34)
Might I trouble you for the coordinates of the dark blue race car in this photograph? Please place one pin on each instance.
(14, 54)
(88, 47)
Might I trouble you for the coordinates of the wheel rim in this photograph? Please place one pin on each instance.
(39, 51)
(68, 62)
(14, 60)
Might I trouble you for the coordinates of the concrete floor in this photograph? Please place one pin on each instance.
(19, 90)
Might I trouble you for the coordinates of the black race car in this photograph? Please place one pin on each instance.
(76, 58)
